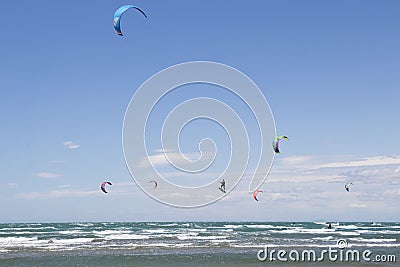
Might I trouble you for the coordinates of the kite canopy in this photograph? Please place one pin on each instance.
(155, 183)
(255, 194)
(103, 186)
(275, 143)
(347, 186)
(119, 12)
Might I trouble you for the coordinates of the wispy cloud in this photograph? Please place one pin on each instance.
(282, 196)
(392, 192)
(119, 189)
(71, 145)
(358, 205)
(12, 185)
(47, 175)
(372, 161)
(305, 163)
(57, 194)
(161, 158)
(57, 161)
(372, 174)
(64, 186)
(297, 162)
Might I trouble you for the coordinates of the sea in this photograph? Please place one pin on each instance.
(200, 244)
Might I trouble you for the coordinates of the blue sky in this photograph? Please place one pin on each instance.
(329, 70)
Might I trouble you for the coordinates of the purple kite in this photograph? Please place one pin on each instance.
(155, 183)
(103, 186)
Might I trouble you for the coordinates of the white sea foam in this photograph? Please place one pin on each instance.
(263, 226)
(162, 235)
(346, 227)
(386, 232)
(27, 228)
(180, 245)
(156, 231)
(26, 233)
(223, 241)
(84, 224)
(323, 238)
(171, 224)
(348, 233)
(125, 237)
(373, 240)
(303, 231)
(385, 245)
(197, 237)
(233, 226)
(226, 230)
(71, 232)
(199, 230)
(12, 241)
(271, 245)
(71, 241)
(213, 237)
(111, 232)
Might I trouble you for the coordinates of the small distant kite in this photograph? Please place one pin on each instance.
(275, 143)
(222, 187)
(155, 183)
(117, 16)
(255, 194)
(103, 186)
(347, 186)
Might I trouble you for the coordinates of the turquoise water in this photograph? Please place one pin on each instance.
(189, 243)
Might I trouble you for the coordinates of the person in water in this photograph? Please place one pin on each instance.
(222, 185)
(330, 226)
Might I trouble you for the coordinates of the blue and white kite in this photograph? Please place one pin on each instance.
(117, 16)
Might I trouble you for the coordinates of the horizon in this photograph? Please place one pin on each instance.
(315, 222)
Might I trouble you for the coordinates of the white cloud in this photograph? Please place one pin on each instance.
(71, 145)
(358, 205)
(372, 174)
(160, 159)
(12, 185)
(373, 161)
(304, 177)
(296, 162)
(57, 161)
(282, 196)
(47, 175)
(57, 194)
(304, 163)
(124, 184)
(119, 189)
(392, 192)
(64, 186)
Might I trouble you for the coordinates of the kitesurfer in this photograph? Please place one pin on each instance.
(222, 187)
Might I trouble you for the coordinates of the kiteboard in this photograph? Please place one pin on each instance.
(222, 190)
